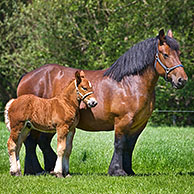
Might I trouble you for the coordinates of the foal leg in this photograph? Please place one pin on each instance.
(68, 150)
(21, 138)
(61, 146)
(14, 145)
(11, 145)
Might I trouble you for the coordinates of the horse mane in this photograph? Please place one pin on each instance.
(137, 58)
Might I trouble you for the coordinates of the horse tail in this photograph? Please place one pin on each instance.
(6, 114)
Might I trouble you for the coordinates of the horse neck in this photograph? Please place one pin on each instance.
(150, 78)
(69, 95)
(147, 80)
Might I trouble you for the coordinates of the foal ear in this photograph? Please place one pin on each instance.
(78, 77)
(161, 36)
(169, 33)
(82, 74)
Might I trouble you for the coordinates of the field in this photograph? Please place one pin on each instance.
(163, 161)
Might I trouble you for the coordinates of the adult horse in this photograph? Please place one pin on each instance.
(125, 95)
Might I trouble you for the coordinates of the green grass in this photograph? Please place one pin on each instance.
(163, 160)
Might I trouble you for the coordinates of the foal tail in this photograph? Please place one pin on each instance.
(6, 114)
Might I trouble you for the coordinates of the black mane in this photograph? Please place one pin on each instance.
(137, 58)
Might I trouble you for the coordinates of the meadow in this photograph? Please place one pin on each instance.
(163, 161)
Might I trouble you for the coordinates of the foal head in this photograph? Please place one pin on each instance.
(167, 62)
(84, 89)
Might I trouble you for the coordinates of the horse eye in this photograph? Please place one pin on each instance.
(165, 55)
(84, 88)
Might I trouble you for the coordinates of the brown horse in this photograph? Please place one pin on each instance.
(125, 95)
(59, 114)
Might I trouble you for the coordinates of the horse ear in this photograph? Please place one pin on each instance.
(169, 33)
(82, 74)
(77, 77)
(161, 36)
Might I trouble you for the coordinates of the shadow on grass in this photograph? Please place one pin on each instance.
(159, 174)
(136, 175)
(107, 175)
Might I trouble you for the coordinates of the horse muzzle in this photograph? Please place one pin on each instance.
(179, 83)
(92, 102)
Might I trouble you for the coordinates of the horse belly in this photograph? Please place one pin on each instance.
(42, 128)
(41, 116)
(91, 120)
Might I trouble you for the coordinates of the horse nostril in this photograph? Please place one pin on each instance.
(92, 103)
(181, 81)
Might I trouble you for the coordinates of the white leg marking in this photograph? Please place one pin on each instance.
(13, 163)
(58, 164)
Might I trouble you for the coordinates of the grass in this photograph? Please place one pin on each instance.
(163, 160)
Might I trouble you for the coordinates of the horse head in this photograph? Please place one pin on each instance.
(85, 90)
(167, 61)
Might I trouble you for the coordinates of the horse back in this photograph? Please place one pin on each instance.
(46, 81)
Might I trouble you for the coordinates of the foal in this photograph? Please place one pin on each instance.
(59, 114)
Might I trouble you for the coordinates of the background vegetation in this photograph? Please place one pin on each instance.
(163, 161)
(92, 34)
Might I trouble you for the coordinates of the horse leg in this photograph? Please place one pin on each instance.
(116, 165)
(21, 138)
(129, 145)
(49, 155)
(14, 144)
(68, 150)
(122, 126)
(11, 145)
(130, 142)
(121, 163)
(32, 165)
(61, 146)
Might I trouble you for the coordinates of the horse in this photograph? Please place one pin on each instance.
(58, 114)
(125, 93)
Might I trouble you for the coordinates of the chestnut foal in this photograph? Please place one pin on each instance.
(59, 114)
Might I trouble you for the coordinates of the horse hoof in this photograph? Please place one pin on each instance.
(68, 176)
(117, 173)
(57, 174)
(18, 173)
(131, 173)
(41, 173)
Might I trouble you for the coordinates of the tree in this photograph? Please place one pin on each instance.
(92, 35)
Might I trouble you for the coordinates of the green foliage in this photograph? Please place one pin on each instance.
(92, 35)
(163, 161)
